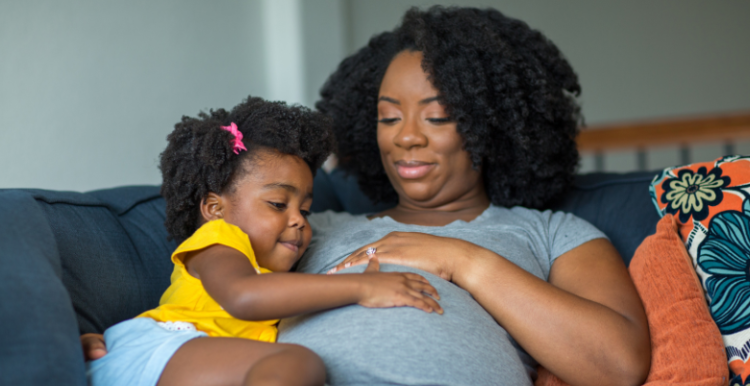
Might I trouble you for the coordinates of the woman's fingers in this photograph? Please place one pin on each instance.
(352, 260)
(93, 346)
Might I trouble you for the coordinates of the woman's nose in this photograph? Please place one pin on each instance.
(410, 135)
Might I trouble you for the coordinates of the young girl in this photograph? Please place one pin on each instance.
(238, 187)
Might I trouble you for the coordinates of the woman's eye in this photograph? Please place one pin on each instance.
(278, 205)
(439, 120)
(387, 121)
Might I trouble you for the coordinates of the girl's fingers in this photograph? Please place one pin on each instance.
(416, 277)
(434, 305)
(93, 346)
(426, 303)
(418, 303)
(373, 265)
(425, 288)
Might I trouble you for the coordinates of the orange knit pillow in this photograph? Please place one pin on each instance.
(686, 345)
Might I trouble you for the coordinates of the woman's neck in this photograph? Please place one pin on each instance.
(465, 208)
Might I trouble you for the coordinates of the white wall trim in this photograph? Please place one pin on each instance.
(283, 50)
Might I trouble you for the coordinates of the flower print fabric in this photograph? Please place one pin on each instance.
(725, 258)
(698, 192)
(712, 203)
(691, 193)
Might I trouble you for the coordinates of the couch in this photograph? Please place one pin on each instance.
(75, 263)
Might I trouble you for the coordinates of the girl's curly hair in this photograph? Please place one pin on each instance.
(509, 89)
(200, 159)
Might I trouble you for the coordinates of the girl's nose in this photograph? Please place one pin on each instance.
(296, 220)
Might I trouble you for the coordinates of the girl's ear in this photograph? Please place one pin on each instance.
(213, 207)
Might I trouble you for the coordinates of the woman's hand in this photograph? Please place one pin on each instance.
(93, 346)
(396, 289)
(441, 256)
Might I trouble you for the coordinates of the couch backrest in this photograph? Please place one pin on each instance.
(113, 250)
(618, 204)
(114, 253)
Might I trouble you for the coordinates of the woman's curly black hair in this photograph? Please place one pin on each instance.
(509, 89)
(200, 159)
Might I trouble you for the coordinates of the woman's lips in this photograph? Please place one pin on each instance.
(413, 170)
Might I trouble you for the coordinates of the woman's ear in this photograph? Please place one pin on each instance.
(213, 207)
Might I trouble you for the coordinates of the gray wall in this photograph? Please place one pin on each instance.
(89, 89)
(636, 59)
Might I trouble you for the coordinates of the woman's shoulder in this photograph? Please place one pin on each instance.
(542, 220)
(523, 214)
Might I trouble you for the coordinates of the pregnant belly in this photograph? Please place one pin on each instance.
(464, 346)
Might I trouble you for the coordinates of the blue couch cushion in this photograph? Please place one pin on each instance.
(113, 250)
(39, 343)
(618, 204)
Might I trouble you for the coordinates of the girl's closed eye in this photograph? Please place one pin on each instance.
(305, 213)
(278, 205)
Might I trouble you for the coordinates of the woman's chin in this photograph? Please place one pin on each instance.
(421, 195)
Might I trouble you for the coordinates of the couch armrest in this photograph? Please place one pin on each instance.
(39, 342)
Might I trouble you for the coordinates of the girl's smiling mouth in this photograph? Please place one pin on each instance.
(293, 245)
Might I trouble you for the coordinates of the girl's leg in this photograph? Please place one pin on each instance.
(235, 361)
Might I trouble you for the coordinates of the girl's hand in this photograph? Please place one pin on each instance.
(441, 256)
(93, 346)
(396, 289)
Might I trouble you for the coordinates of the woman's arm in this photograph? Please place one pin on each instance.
(586, 325)
(230, 279)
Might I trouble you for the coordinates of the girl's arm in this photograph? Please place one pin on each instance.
(231, 280)
(586, 325)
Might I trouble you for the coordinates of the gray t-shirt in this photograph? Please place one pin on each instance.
(465, 345)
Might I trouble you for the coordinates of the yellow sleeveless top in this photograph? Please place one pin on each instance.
(187, 301)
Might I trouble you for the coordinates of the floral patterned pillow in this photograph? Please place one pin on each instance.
(711, 201)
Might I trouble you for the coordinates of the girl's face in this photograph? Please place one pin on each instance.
(271, 203)
(420, 148)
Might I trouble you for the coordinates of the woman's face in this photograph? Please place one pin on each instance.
(421, 150)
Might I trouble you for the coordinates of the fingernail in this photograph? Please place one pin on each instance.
(347, 265)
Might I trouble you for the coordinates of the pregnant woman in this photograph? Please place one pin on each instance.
(466, 121)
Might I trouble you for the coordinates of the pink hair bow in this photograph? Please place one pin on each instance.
(237, 144)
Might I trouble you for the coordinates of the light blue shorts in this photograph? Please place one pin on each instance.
(137, 352)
